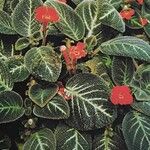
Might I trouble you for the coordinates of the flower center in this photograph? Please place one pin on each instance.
(121, 96)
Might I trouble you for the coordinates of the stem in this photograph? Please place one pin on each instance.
(44, 34)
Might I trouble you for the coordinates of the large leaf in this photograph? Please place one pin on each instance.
(42, 94)
(2, 4)
(136, 131)
(17, 68)
(41, 140)
(68, 138)
(89, 14)
(6, 23)
(122, 70)
(143, 107)
(57, 108)
(90, 108)
(6, 83)
(11, 106)
(116, 3)
(44, 62)
(110, 16)
(141, 83)
(70, 23)
(127, 46)
(109, 140)
(23, 17)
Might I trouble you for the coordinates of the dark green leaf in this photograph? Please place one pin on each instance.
(127, 46)
(57, 108)
(11, 106)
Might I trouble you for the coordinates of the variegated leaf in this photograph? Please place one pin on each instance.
(90, 108)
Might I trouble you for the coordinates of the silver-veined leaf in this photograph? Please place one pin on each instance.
(115, 3)
(42, 94)
(17, 68)
(141, 83)
(44, 62)
(57, 108)
(11, 106)
(44, 139)
(122, 70)
(143, 107)
(109, 140)
(127, 46)
(6, 23)
(68, 138)
(70, 23)
(23, 17)
(109, 15)
(6, 83)
(89, 103)
(136, 131)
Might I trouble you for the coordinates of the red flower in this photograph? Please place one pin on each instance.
(127, 13)
(143, 21)
(46, 14)
(121, 95)
(140, 1)
(62, 93)
(63, 1)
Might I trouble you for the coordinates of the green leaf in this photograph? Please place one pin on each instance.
(44, 139)
(44, 62)
(68, 138)
(90, 108)
(89, 14)
(5, 142)
(70, 23)
(109, 16)
(57, 108)
(22, 43)
(136, 131)
(109, 140)
(17, 68)
(122, 70)
(143, 107)
(23, 17)
(127, 46)
(42, 94)
(115, 3)
(2, 4)
(77, 1)
(11, 106)
(6, 23)
(141, 83)
(6, 83)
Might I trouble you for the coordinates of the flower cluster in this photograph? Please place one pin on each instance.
(121, 95)
(73, 53)
(127, 13)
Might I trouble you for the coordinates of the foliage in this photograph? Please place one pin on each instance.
(56, 77)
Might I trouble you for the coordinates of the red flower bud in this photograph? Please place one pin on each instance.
(140, 1)
(46, 14)
(127, 13)
(121, 95)
(143, 21)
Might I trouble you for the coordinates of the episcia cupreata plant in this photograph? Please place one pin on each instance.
(75, 74)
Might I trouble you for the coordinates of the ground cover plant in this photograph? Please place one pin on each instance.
(75, 75)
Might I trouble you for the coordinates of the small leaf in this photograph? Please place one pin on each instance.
(11, 106)
(6, 23)
(136, 131)
(109, 15)
(70, 23)
(6, 83)
(109, 140)
(41, 140)
(127, 46)
(22, 43)
(143, 107)
(122, 70)
(41, 95)
(57, 108)
(17, 68)
(43, 61)
(90, 108)
(68, 138)
(141, 83)
(23, 17)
